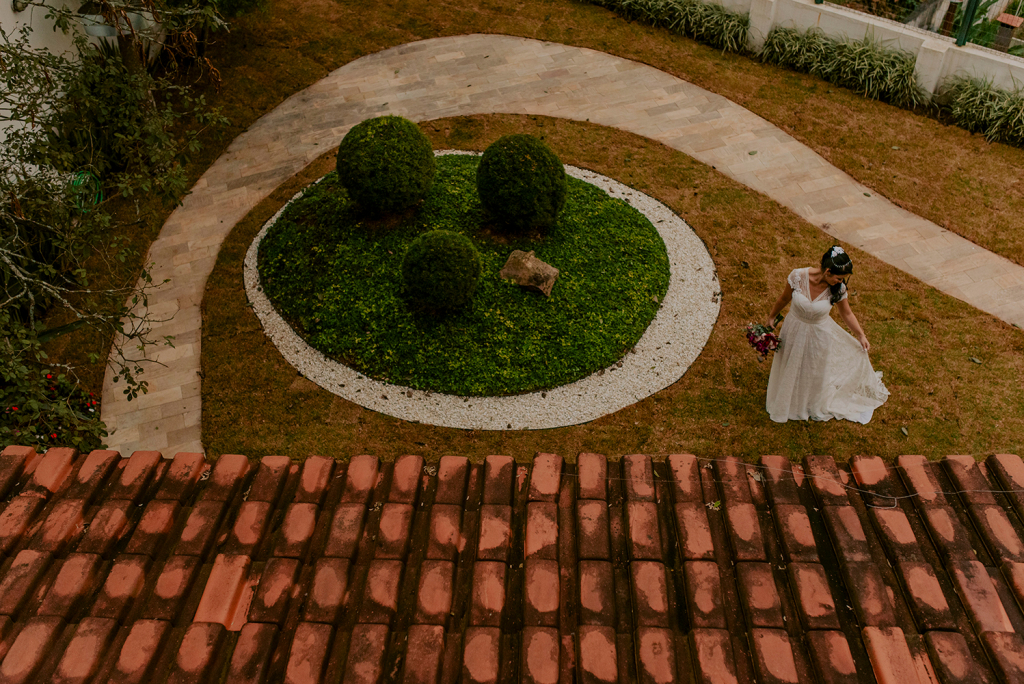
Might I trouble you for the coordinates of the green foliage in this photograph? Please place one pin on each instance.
(980, 107)
(81, 134)
(386, 164)
(441, 270)
(982, 30)
(903, 11)
(521, 182)
(706, 22)
(41, 404)
(863, 66)
(127, 127)
(341, 287)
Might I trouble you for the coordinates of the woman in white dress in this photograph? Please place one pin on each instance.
(820, 371)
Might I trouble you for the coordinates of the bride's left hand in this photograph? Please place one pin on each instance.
(864, 342)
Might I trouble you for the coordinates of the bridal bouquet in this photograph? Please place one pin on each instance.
(762, 339)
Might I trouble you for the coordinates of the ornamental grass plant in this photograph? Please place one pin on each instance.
(705, 22)
(980, 107)
(864, 66)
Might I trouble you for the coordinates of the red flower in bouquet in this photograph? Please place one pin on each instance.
(762, 339)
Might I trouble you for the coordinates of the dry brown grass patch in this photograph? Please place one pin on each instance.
(923, 340)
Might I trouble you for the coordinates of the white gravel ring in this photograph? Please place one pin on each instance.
(672, 341)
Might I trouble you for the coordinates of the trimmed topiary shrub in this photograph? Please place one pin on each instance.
(441, 270)
(386, 164)
(521, 182)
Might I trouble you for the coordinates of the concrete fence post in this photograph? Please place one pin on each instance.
(762, 18)
(931, 62)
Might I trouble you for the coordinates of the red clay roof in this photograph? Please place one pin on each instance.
(1010, 20)
(146, 569)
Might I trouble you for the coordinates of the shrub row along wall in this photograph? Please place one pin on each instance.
(707, 23)
(879, 58)
(938, 59)
(863, 66)
(736, 24)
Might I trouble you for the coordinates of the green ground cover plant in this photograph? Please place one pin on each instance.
(338, 281)
(922, 340)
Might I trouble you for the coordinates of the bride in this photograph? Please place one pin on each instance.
(820, 371)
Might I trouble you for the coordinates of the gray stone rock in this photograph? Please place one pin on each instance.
(526, 270)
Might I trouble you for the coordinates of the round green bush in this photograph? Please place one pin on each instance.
(521, 183)
(386, 164)
(441, 269)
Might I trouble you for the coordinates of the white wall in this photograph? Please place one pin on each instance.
(43, 35)
(938, 57)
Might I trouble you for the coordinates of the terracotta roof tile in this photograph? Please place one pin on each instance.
(423, 654)
(73, 585)
(86, 651)
(16, 518)
(198, 655)
(592, 476)
(268, 483)
(1007, 653)
(150, 569)
(250, 659)
(31, 649)
(831, 657)
(172, 588)
(598, 655)
(51, 471)
(814, 601)
(93, 473)
(451, 480)
(499, 478)
(13, 460)
(639, 477)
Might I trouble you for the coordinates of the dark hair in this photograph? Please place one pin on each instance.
(838, 262)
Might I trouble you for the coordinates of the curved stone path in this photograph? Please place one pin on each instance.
(477, 74)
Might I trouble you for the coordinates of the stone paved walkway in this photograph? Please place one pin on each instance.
(476, 74)
(602, 571)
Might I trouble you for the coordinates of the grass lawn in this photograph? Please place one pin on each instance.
(338, 281)
(940, 172)
(254, 403)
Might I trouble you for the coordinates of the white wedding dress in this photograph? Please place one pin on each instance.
(820, 371)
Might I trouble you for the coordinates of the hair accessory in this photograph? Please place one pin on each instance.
(837, 250)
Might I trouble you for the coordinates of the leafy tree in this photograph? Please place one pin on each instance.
(83, 136)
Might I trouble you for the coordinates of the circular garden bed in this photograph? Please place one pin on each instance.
(336, 277)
